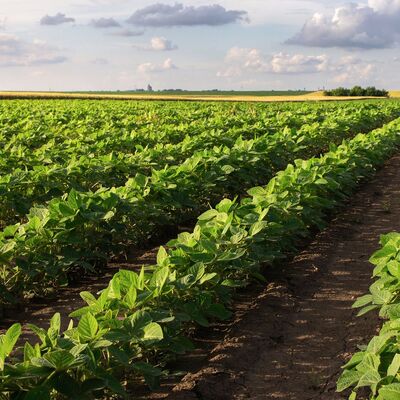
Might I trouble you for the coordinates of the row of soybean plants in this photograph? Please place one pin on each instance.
(46, 137)
(376, 367)
(83, 230)
(49, 177)
(142, 319)
(88, 161)
(23, 187)
(52, 131)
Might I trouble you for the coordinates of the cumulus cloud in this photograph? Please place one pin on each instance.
(375, 25)
(350, 70)
(160, 14)
(162, 44)
(18, 53)
(57, 19)
(157, 44)
(298, 63)
(240, 60)
(149, 67)
(128, 33)
(250, 62)
(105, 23)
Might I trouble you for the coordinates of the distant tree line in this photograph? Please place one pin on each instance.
(357, 91)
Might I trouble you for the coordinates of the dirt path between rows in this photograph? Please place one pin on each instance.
(298, 332)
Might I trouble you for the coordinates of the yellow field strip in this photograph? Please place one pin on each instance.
(315, 96)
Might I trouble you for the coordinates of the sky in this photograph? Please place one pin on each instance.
(202, 44)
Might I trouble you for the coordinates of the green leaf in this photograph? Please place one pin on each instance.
(87, 327)
(208, 277)
(383, 254)
(160, 277)
(366, 310)
(257, 227)
(355, 360)
(31, 352)
(390, 392)
(7, 342)
(162, 256)
(378, 343)
(370, 378)
(394, 366)
(88, 298)
(353, 396)
(257, 191)
(362, 301)
(130, 297)
(210, 214)
(9, 339)
(153, 332)
(114, 288)
(59, 360)
(393, 267)
(347, 379)
(55, 322)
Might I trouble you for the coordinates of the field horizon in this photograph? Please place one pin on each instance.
(233, 96)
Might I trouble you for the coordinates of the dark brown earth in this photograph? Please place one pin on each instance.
(288, 340)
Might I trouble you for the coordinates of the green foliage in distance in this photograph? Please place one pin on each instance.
(357, 91)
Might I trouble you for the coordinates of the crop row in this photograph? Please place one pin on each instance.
(23, 188)
(85, 229)
(141, 319)
(47, 132)
(49, 137)
(377, 366)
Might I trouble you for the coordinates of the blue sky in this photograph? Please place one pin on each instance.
(224, 44)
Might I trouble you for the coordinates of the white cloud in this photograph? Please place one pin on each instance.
(248, 58)
(57, 19)
(241, 60)
(105, 23)
(248, 63)
(375, 25)
(18, 53)
(298, 63)
(159, 14)
(157, 44)
(162, 44)
(351, 70)
(149, 67)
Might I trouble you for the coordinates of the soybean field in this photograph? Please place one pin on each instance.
(222, 192)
